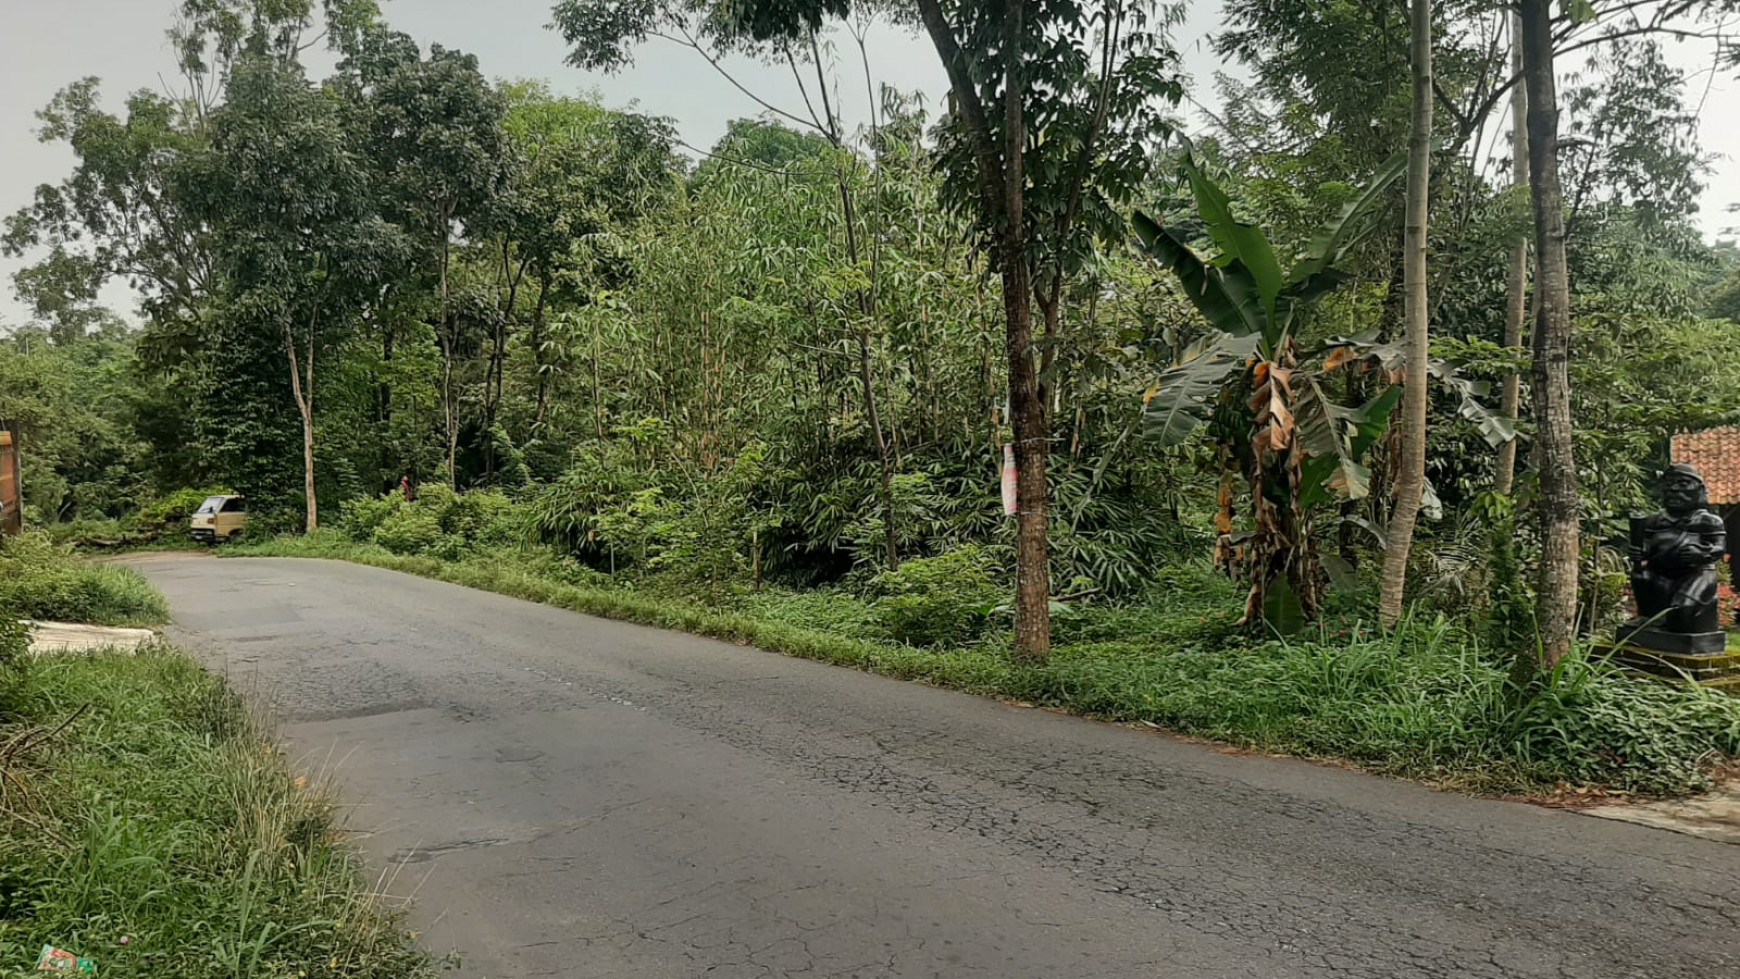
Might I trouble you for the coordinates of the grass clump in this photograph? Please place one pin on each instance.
(40, 579)
(161, 835)
(1426, 701)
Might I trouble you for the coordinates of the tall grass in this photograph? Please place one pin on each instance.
(43, 580)
(161, 835)
(1425, 701)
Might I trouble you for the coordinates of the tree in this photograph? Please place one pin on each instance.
(1051, 110)
(1516, 282)
(119, 215)
(300, 243)
(432, 128)
(1264, 393)
(1559, 509)
(1411, 465)
(581, 173)
(61, 291)
(65, 399)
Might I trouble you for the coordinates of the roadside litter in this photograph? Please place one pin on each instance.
(60, 960)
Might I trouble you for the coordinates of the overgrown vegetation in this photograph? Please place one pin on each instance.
(43, 580)
(774, 384)
(1426, 701)
(147, 824)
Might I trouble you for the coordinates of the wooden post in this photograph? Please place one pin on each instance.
(11, 500)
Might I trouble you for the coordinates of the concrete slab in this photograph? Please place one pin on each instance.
(1714, 815)
(67, 637)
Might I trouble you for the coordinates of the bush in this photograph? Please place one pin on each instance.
(837, 612)
(483, 518)
(410, 530)
(91, 533)
(1186, 606)
(942, 600)
(438, 523)
(42, 580)
(362, 517)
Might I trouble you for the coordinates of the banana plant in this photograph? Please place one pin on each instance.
(1262, 393)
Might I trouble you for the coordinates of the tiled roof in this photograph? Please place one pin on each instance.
(1716, 453)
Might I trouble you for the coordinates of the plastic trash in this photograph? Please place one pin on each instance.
(60, 960)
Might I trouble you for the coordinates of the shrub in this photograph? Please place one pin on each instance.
(91, 533)
(411, 530)
(438, 523)
(838, 612)
(361, 517)
(483, 518)
(942, 600)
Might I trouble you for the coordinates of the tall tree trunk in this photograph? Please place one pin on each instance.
(1516, 281)
(449, 345)
(304, 395)
(494, 375)
(538, 349)
(1026, 408)
(1556, 592)
(891, 540)
(384, 413)
(597, 378)
(1411, 466)
(1002, 199)
(866, 309)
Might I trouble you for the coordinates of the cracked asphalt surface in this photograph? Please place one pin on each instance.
(569, 796)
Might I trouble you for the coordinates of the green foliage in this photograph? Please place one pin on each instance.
(362, 518)
(167, 836)
(783, 367)
(42, 580)
(439, 523)
(410, 530)
(69, 404)
(1274, 423)
(1252, 304)
(945, 600)
(15, 663)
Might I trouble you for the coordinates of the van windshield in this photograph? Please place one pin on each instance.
(210, 505)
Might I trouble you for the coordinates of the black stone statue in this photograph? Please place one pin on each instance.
(1673, 570)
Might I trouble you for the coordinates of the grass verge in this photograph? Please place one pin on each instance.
(1422, 702)
(161, 835)
(40, 579)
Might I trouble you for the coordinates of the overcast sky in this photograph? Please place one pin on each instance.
(45, 44)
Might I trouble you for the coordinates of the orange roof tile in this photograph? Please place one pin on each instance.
(1716, 453)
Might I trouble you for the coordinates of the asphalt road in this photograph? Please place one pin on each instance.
(580, 798)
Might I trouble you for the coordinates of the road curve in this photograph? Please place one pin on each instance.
(581, 798)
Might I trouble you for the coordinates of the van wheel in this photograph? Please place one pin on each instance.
(235, 537)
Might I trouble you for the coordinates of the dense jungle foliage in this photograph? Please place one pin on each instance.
(787, 360)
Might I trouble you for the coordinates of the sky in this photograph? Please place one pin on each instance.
(46, 44)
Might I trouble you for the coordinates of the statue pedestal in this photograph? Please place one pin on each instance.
(1720, 670)
(1677, 643)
